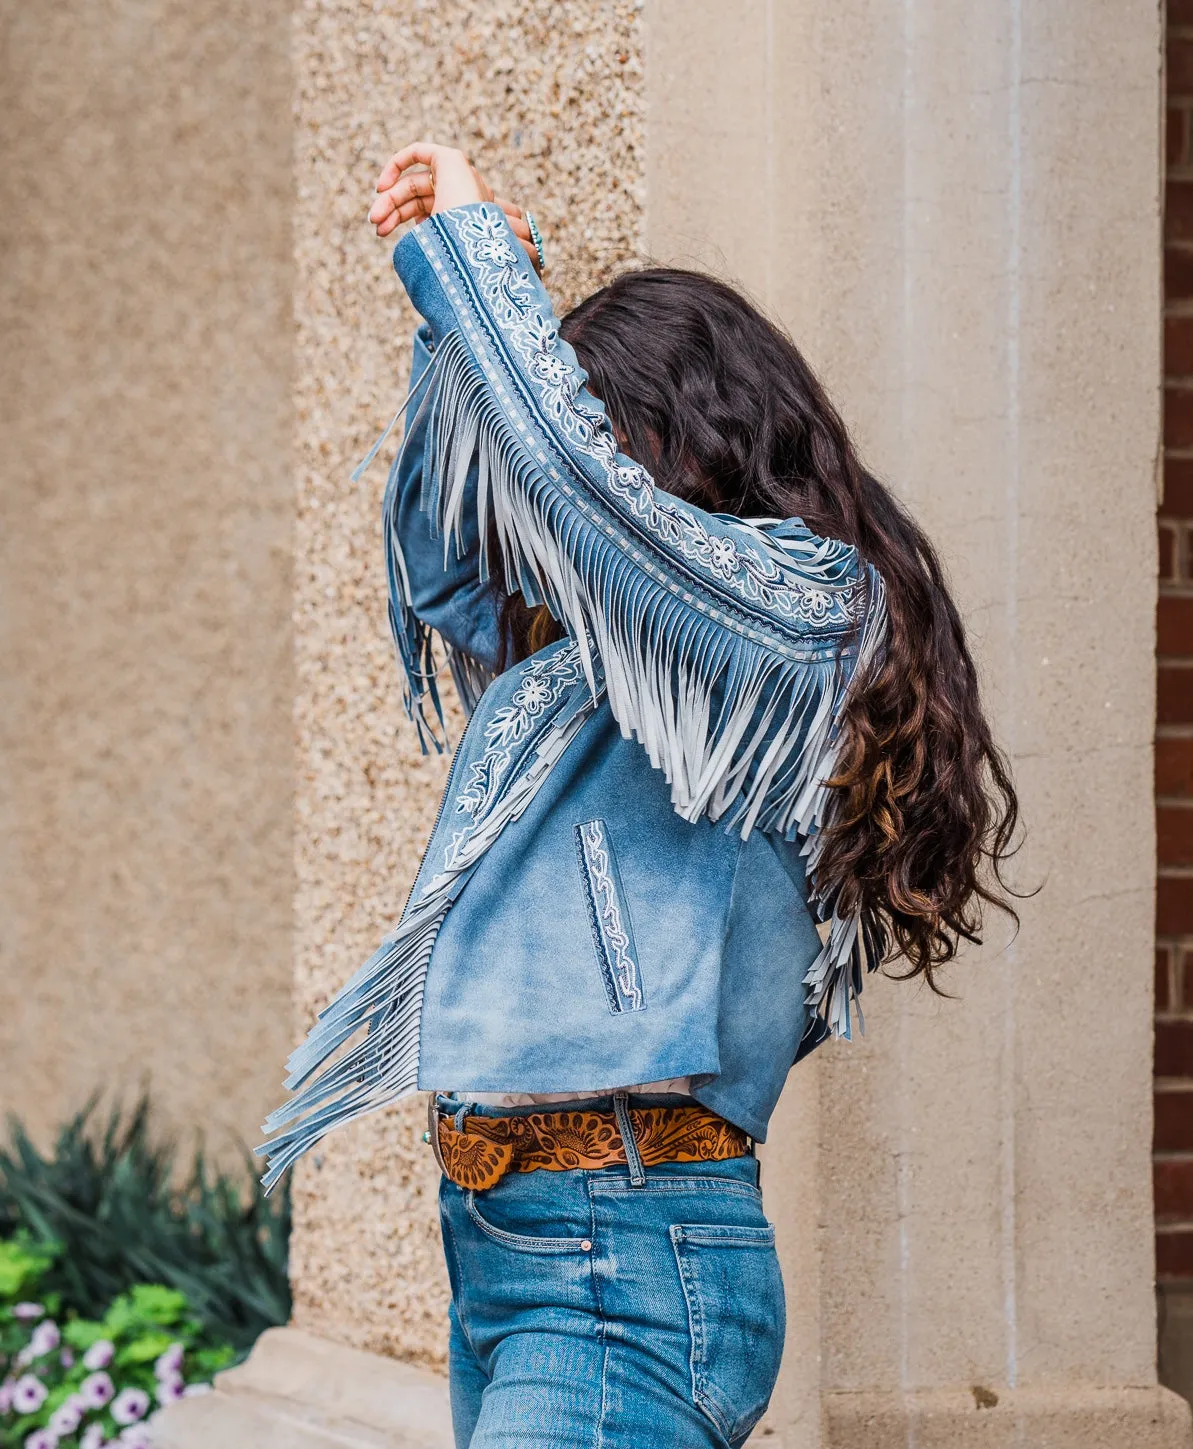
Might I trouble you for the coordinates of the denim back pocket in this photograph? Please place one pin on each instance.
(737, 1320)
(609, 917)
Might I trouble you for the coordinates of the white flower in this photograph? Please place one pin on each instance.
(533, 695)
(28, 1394)
(100, 1354)
(817, 604)
(170, 1389)
(722, 555)
(45, 1338)
(6, 1395)
(66, 1358)
(137, 1437)
(170, 1363)
(42, 1439)
(25, 1357)
(93, 1437)
(552, 370)
(96, 1389)
(66, 1418)
(129, 1405)
(27, 1310)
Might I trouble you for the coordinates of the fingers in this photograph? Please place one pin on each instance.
(411, 197)
(421, 153)
(532, 252)
(484, 190)
(416, 210)
(450, 179)
(515, 218)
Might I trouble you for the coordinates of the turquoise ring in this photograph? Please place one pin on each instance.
(536, 237)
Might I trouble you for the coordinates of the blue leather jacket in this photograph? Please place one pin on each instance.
(616, 889)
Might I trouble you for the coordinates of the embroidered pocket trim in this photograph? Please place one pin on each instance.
(609, 917)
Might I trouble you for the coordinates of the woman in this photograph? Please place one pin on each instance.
(725, 751)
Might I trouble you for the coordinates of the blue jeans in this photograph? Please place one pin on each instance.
(587, 1311)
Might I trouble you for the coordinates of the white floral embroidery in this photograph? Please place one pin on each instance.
(753, 573)
(611, 937)
(542, 683)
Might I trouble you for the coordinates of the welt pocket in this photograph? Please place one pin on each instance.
(609, 917)
(520, 1242)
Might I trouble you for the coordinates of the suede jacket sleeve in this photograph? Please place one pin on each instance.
(677, 603)
(435, 582)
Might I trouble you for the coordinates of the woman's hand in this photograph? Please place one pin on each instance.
(424, 178)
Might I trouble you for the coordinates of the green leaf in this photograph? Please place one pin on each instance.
(81, 1333)
(144, 1349)
(56, 1398)
(210, 1361)
(120, 1318)
(158, 1303)
(20, 1266)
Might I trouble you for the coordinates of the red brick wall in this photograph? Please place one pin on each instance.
(1174, 733)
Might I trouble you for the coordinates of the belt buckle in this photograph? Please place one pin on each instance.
(433, 1132)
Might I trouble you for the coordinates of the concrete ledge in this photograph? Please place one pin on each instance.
(980, 1418)
(297, 1391)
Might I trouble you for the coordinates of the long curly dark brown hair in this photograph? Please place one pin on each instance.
(721, 407)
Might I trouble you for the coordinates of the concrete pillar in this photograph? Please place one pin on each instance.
(546, 96)
(146, 780)
(955, 210)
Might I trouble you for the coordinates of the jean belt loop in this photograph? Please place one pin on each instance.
(462, 1115)
(633, 1157)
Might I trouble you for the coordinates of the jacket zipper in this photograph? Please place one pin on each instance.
(451, 775)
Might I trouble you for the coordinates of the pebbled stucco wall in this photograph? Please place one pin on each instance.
(145, 559)
(547, 98)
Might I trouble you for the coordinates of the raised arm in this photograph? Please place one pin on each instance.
(435, 584)
(727, 646)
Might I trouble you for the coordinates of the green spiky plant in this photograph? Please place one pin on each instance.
(109, 1198)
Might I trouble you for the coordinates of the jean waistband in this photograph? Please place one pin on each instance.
(449, 1104)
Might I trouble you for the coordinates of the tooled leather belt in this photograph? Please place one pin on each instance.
(480, 1155)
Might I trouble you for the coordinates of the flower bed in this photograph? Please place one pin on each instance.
(72, 1381)
(120, 1293)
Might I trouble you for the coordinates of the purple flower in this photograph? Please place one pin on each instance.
(6, 1395)
(25, 1357)
(42, 1439)
(96, 1389)
(45, 1338)
(137, 1437)
(27, 1310)
(129, 1405)
(66, 1358)
(170, 1363)
(170, 1389)
(100, 1354)
(93, 1437)
(28, 1394)
(66, 1418)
